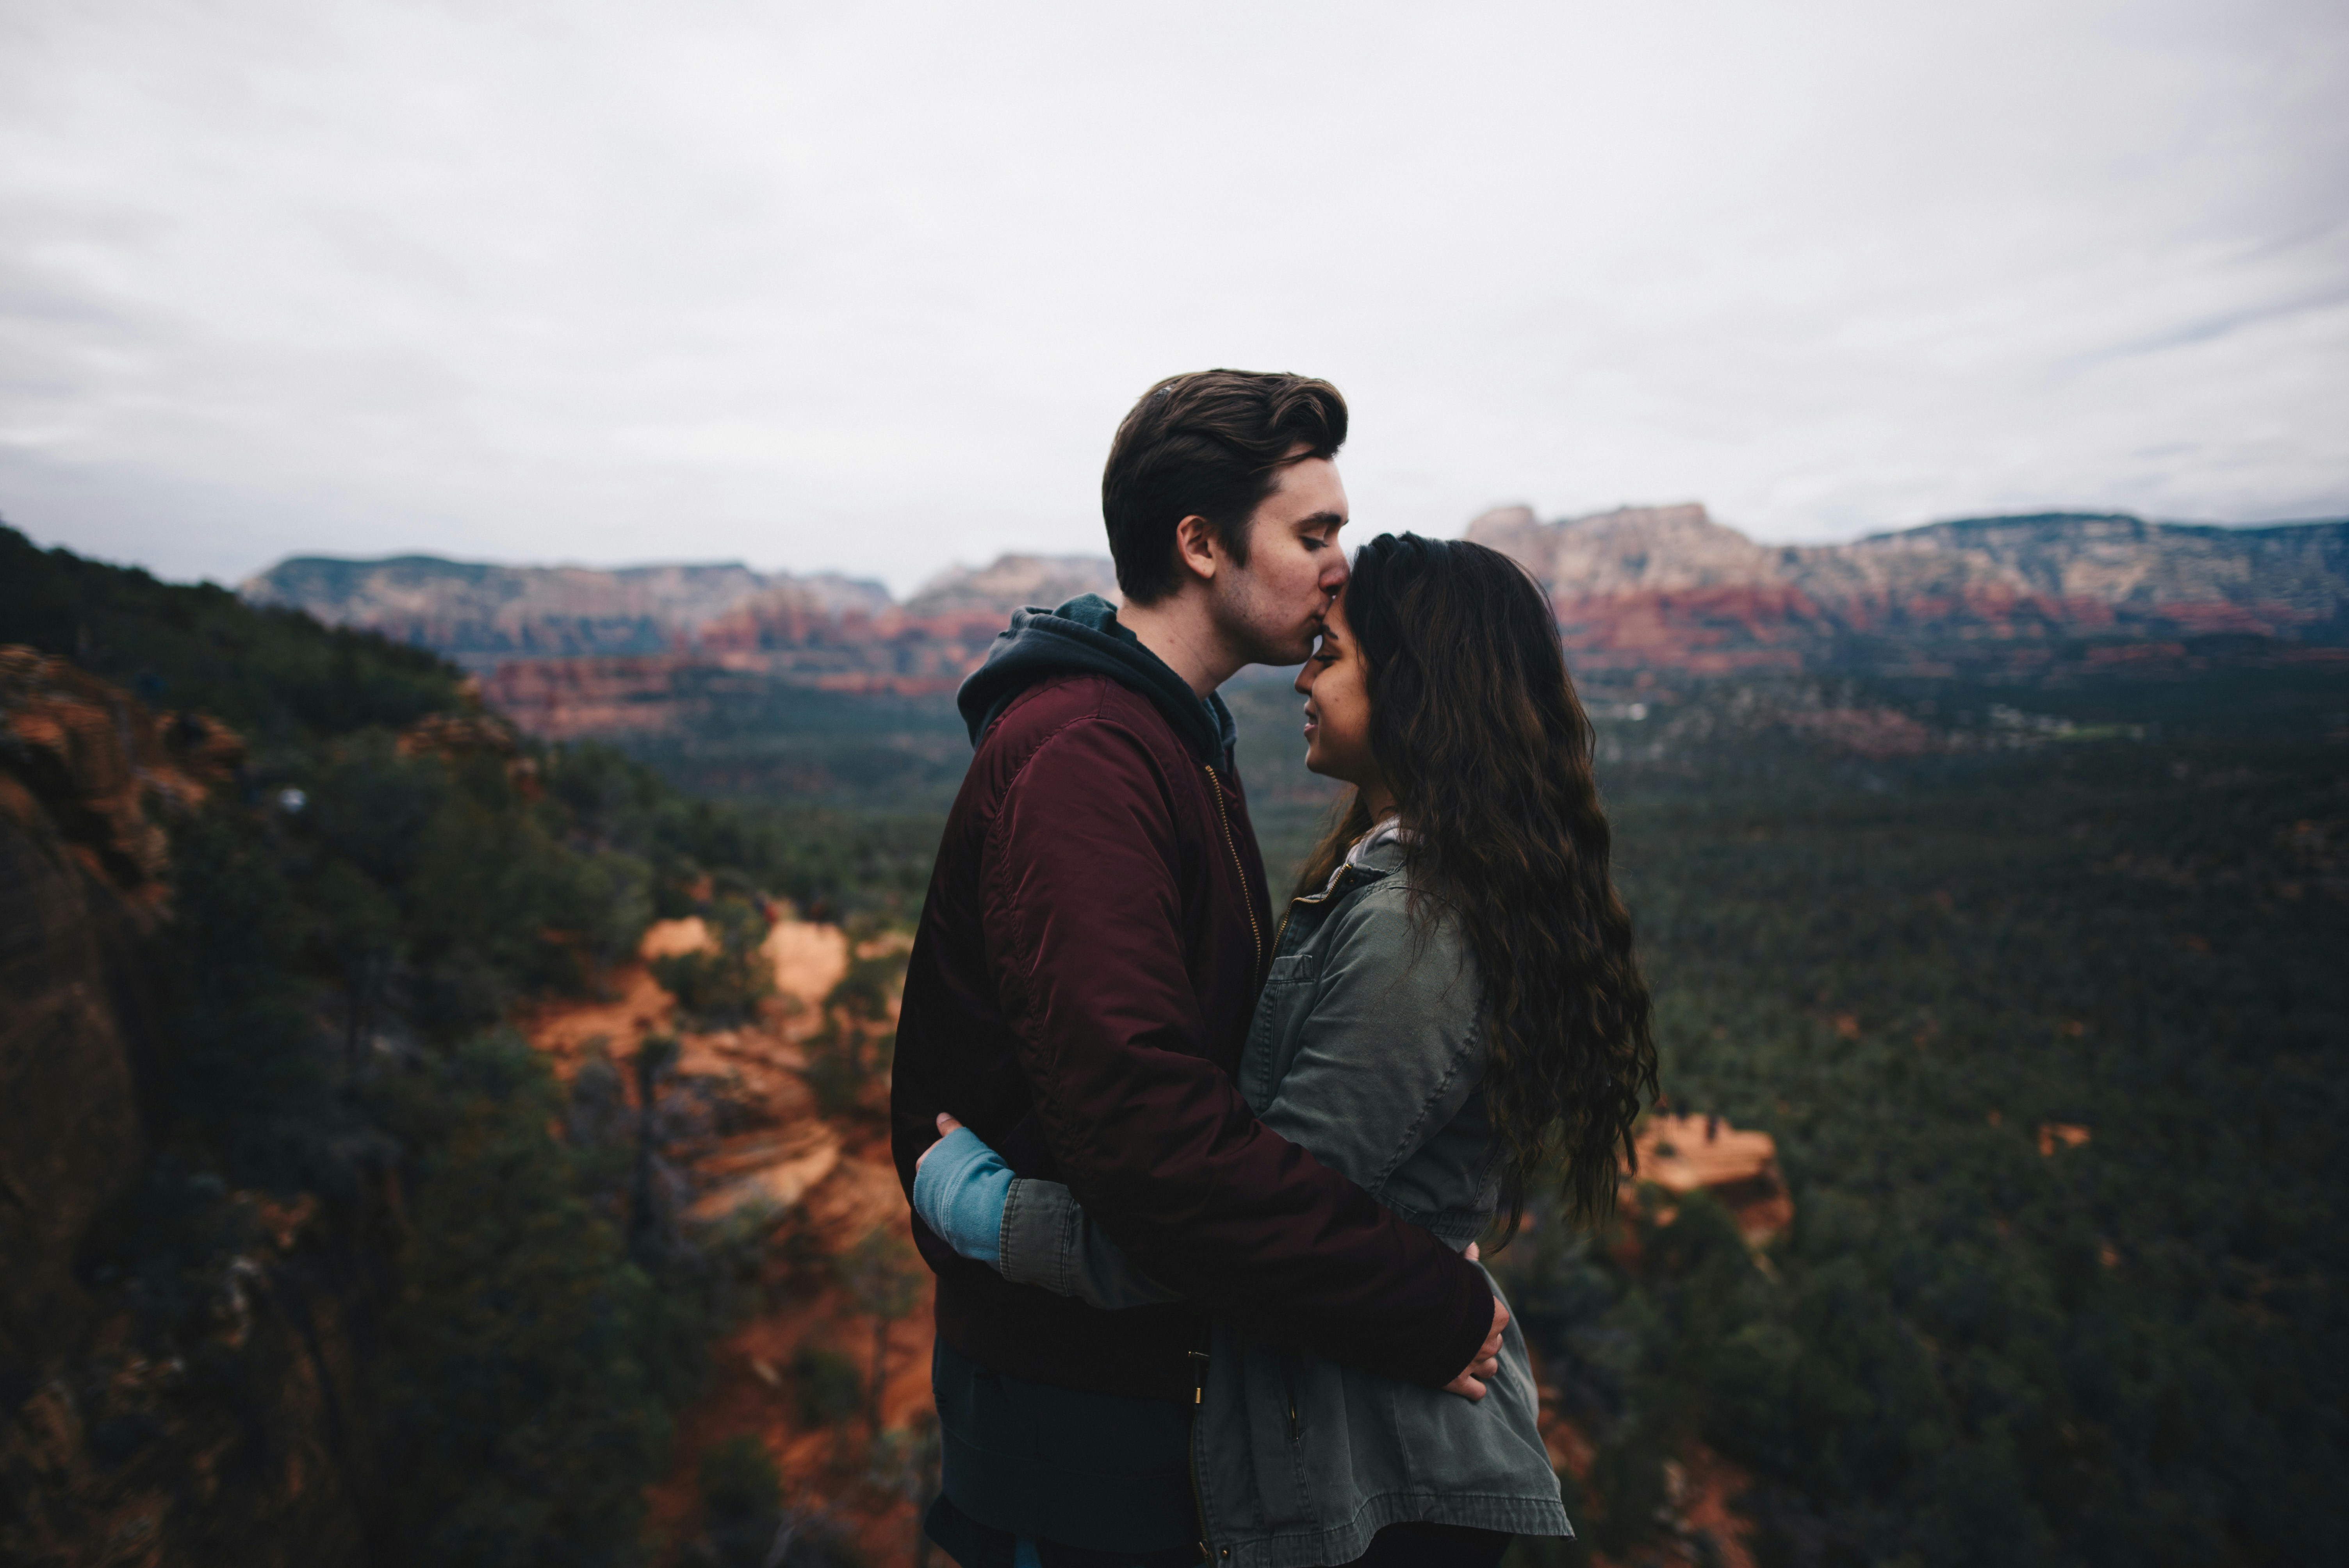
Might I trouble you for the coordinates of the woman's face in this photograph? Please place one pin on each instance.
(1338, 706)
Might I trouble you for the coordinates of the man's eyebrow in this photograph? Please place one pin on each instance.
(1322, 519)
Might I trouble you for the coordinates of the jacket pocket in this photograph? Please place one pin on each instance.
(1291, 967)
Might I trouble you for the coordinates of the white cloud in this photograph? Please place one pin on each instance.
(867, 287)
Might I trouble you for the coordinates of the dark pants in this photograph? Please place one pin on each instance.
(1095, 1472)
(975, 1545)
(1434, 1546)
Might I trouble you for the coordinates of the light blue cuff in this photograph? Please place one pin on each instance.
(959, 1192)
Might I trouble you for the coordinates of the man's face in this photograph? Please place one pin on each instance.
(1272, 607)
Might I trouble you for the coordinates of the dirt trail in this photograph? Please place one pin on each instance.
(827, 1184)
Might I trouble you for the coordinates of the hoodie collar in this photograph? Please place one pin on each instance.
(1387, 830)
(1083, 635)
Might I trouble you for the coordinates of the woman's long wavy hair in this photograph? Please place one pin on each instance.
(1476, 729)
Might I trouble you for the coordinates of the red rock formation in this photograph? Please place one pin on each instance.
(90, 759)
(565, 700)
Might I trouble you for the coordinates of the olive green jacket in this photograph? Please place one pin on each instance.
(1366, 1051)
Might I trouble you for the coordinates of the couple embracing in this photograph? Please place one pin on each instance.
(1202, 1190)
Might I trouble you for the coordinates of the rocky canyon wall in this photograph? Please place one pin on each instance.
(241, 1446)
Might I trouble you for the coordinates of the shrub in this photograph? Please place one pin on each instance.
(526, 1420)
(723, 985)
(830, 1391)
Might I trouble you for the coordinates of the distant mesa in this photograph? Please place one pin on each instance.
(479, 615)
(569, 652)
(1011, 583)
(1669, 588)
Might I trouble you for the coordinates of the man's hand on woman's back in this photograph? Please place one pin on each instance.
(958, 1206)
(1488, 1359)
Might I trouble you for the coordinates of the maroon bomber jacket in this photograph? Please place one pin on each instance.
(1090, 953)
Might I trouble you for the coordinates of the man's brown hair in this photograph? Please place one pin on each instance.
(1208, 444)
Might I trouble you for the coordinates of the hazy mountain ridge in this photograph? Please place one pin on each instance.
(2112, 559)
(477, 612)
(1639, 590)
(1670, 588)
(2282, 579)
(1010, 582)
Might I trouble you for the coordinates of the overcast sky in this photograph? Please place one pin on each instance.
(867, 286)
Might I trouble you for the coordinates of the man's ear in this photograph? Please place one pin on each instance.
(1198, 548)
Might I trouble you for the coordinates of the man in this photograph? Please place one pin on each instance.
(1095, 934)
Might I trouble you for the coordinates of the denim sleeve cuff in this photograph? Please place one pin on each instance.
(960, 1192)
(1038, 1235)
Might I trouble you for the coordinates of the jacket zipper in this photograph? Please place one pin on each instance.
(1247, 896)
(1199, 1357)
(1198, 1493)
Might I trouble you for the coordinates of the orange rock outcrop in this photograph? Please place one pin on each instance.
(819, 1184)
(1737, 1170)
(87, 757)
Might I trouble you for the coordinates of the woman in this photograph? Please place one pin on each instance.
(1452, 1015)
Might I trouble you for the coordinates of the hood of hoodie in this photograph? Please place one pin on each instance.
(1083, 636)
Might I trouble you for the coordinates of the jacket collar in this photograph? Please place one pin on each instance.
(1377, 853)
